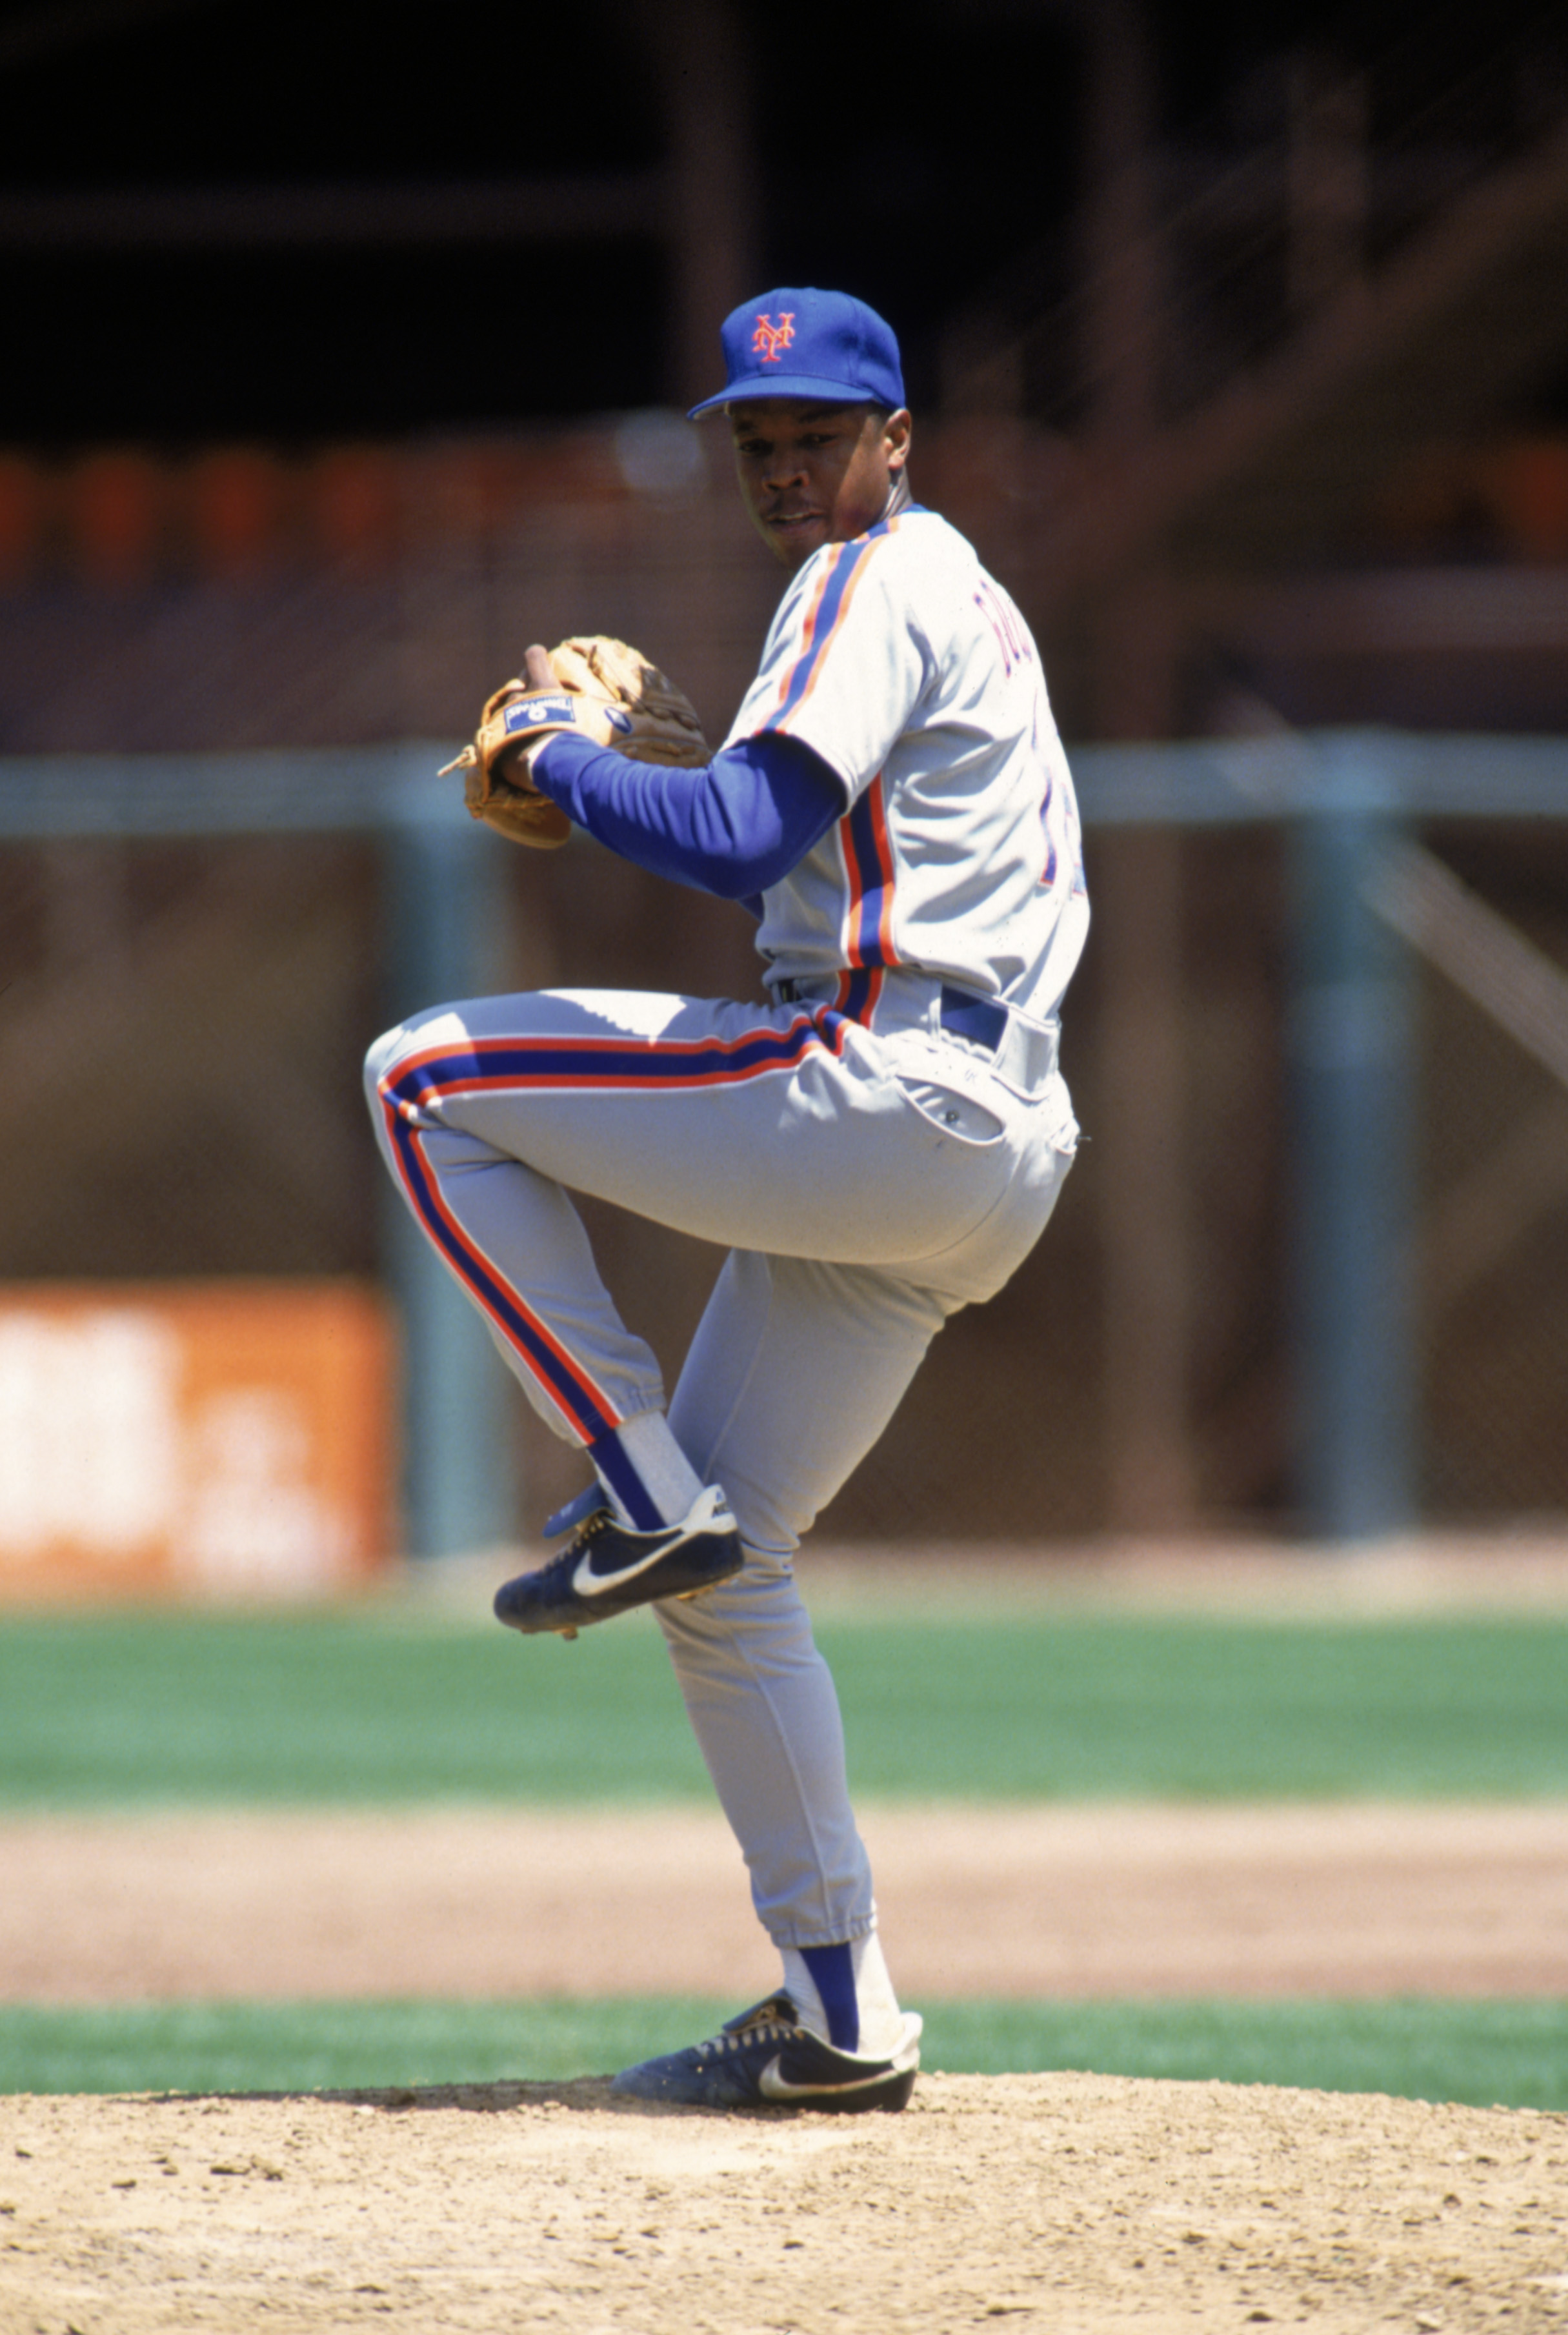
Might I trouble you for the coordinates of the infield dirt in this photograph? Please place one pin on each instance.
(1338, 1899)
(1062, 2201)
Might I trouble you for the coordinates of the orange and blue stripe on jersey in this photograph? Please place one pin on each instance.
(412, 1095)
(868, 921)
(868, 936)
(824, 620)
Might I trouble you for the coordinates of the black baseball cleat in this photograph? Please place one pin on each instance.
(766, 2058)
(606, 1569)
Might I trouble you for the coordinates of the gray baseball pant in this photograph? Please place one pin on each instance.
(866, 1185)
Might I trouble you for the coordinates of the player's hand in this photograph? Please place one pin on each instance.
(591, 687)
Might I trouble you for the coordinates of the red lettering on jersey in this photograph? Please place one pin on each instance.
(771, 340)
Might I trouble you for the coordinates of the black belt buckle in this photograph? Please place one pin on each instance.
(977, 1018)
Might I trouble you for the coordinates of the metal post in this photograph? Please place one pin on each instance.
(446, 908)
(1352, 1047)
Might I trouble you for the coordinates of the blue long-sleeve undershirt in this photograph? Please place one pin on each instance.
(732, 828)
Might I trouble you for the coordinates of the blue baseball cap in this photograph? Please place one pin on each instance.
(808, 343)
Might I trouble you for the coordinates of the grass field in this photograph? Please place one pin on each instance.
(372, 1706)
(1514, 2053)
(396, 1705)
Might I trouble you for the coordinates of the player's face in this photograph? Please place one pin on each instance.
(815, 474)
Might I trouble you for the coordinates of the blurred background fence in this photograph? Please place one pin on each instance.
(1244, 361)
(1360, 1323)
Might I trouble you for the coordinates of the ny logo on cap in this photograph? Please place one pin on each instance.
(771, 340)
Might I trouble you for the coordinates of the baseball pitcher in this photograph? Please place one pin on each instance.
(878, 1146)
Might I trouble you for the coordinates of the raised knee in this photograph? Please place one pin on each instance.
(380, 1059)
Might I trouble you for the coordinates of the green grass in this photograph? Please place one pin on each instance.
(1513, 2054)
(372, 1705)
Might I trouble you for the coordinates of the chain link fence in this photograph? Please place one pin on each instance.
(180, 1033)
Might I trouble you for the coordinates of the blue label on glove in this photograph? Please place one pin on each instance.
(533, 713)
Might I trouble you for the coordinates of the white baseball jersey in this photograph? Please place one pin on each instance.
(900, 662)
(869, 1174)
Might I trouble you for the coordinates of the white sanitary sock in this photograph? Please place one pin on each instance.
(661, 1469)
(882, 2023)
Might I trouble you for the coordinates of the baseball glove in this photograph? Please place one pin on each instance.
(600, 690)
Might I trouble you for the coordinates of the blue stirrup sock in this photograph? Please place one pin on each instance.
(832, 1970)
(649, 1479)
(845, 1994)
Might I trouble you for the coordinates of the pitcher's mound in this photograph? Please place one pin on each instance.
(1061, 2201)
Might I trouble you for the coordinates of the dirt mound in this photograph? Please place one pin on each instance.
(1067, 2202)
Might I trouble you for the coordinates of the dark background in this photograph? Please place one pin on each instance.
(919, 156)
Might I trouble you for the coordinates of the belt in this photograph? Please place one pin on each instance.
(1023, 1052)
(978, 1019)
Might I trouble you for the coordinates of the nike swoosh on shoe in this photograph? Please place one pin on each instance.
(589, 1583)
(774, 2085)
(709, 1518)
